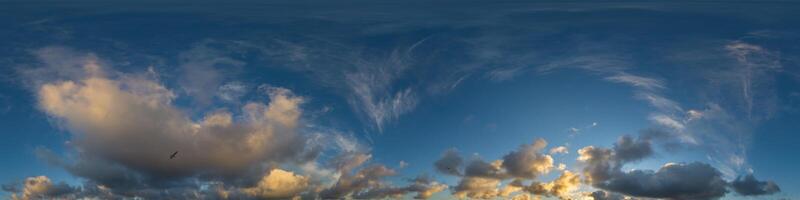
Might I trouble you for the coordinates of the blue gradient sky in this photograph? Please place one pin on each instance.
(405, 82)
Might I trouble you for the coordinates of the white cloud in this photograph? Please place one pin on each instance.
(637, 81)
(559, 149)
(667, 121)
(278, 184)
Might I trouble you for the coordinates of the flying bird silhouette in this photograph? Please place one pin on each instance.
(173, 155)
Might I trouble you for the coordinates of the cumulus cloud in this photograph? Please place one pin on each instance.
(482, 179)
(560, 187)
(423, 186)
(40, 187)
(602, 195)
(603, 169)
(109, 117)
(528, 161)
(367, 182)
(477, 187)
(450, 163)
(672, 181)
(278, 184)
(125, 126)
(481, 168)
(748, 185)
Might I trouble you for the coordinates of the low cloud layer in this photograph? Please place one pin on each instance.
(603, 169)
(482, 180)
(748, 185)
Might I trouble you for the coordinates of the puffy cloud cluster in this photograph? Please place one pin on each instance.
(527, 161)
(602, 195)
(366, 182)
(132, 122)
(40, 187)
(482, 180)
(449, 163)
(603, 169)
(124, 128)
(560, 187)
(748, 185)
(278, 184)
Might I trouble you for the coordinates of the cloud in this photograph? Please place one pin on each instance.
(754, 72)
(560, 187)
(627, 149)
(603, 169)
(481, 179)
(450, 163)
(109, 117)
(57, 64)
(278, 184)
(204, 70)
(40, 187)
(504, 74)
(672, 181)
(423, 186)
(637, 81)
(559, 150)
(477, 187)
(602, 195)
(749, 186)
(483, 169)
(661, 103)
(527, 161)
(362, 179)
(369, 79)
(232, 91)
(223, 153)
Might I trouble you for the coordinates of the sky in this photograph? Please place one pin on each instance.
(399, 100)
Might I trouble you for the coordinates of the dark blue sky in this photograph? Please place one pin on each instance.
(381, 99)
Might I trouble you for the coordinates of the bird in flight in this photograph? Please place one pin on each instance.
(173, 155)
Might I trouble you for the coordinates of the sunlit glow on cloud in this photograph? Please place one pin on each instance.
(426, 100)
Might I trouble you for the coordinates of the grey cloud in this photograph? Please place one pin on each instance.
(528, 161)
(672, 181)
(367, 178)
(423, 186)
(602, 195)
(627, 149)
(483, 169)
(481, 179)
(748, 185)
(41, 187)
(367, 182)
(108, 113)
(450, 163)
(694, 180)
